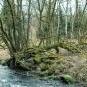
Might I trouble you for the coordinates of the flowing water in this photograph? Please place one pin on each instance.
(11, 78)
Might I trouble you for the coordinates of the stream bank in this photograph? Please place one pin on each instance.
(65, 64)
(16, 78)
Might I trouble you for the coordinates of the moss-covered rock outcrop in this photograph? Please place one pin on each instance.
(44, 63)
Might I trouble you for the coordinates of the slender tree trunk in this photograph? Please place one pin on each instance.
(58, 14)
(28, 25)
(66, 19)
(71, 21)
(77, 19)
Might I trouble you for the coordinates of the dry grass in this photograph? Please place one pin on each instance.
(75, 65)
(4, 54)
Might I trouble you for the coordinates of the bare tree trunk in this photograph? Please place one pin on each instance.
(19, 24)
(28, 25)
(66, 19)
(50, 15)
(58, 14)
(14, 30)
(71, 22)
(41, 31)
(77, 18)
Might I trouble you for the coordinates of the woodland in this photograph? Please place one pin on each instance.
(46, 37)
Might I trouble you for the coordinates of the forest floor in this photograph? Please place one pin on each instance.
(74, 64)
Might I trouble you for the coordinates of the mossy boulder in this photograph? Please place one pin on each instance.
(67, 79)
(52, 57)
(61, 68)
(51, 71)
(48, 61)
(44, 67)
(37, 59)
(59, 61)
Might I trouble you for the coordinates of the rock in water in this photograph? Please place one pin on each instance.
(67, 79)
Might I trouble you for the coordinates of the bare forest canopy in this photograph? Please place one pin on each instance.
(28, 23)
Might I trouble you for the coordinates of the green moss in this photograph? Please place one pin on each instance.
(51, 71)
(43, 74)
(59, 61)
(52, 68)
(24, 65)
(44, 67)
(48, 61)
(59, 57)
(37, 59)
(67, 79)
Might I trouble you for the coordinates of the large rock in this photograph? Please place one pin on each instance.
(67, 79)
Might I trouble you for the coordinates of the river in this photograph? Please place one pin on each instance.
(12, 78)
